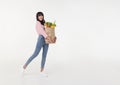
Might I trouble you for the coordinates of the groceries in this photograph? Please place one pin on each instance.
(50, 30)
(50, 25)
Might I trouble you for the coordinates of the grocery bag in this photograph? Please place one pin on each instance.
(51, 33)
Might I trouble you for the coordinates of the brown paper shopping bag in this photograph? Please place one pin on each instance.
(51, 33)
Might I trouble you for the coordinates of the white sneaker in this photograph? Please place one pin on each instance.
(23, 70)
(43, 74)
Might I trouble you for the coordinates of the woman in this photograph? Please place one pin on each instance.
(40, 42)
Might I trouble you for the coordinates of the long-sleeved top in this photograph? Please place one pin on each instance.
(40, 29)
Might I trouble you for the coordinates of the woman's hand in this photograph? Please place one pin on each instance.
(54, 39)
(48, 39)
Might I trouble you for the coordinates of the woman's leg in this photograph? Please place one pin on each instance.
(44, 54)
(36, 52)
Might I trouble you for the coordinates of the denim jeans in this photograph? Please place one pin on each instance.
(40, 44)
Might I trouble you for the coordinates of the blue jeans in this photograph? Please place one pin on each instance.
(40, 44)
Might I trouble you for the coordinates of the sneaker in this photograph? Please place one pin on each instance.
(23, 70)
(43, 74)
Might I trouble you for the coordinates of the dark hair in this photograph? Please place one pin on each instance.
(40, 14)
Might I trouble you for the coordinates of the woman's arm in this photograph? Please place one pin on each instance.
(40, 30)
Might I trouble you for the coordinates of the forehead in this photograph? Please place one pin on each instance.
(40, 16)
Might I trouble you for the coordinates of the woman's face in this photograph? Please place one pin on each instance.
(40, 18)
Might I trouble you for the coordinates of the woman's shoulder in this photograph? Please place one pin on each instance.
(38, 23)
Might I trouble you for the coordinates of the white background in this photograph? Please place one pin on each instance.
(87, 47)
